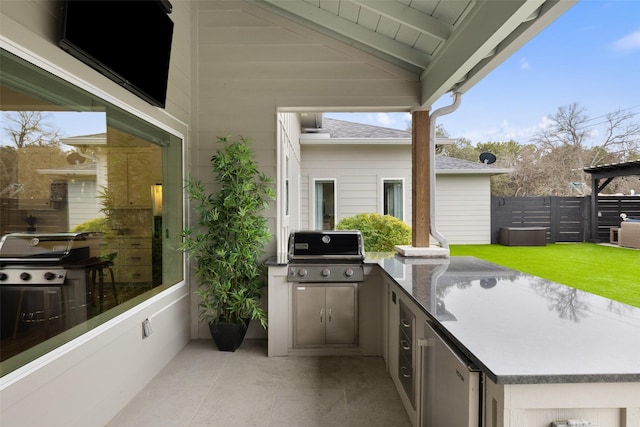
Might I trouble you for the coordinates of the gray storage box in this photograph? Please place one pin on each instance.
(523, 236)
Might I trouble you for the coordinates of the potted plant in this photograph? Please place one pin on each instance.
(228, 243)
(31, 222)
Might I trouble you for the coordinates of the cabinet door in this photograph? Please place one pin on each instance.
(139, 170)
(341, 315)
(452, 388)
(309, 315)
(117, 179)
(129, 179)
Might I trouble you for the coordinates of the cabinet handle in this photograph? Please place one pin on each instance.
(405, 372)
(405, 345)
(404, 323)
(321, 314)
(329, 315)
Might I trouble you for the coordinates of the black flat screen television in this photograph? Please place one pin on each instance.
(127, 41)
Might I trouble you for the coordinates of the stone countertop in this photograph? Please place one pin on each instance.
(518, 328)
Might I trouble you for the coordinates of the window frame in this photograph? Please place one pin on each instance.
(314, 201)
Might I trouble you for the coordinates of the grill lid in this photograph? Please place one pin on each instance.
(51, 247)
(325, 244)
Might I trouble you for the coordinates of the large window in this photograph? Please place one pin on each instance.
(325, 206)
(393, 201)
(90, 211)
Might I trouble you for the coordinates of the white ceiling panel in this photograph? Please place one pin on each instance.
(449, 44)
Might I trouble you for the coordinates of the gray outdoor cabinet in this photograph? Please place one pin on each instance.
(523, 236)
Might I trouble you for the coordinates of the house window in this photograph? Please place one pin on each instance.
(73, 163)
(393, 200)
(325, 206)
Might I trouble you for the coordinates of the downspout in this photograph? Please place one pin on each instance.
(457, 98)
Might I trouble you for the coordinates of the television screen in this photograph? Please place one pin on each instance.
(127, 41)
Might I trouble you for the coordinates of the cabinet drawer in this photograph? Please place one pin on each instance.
(135, 257)
(405, 347)
(405, 375)
(132, 274)
(135, 243)
(406, 320)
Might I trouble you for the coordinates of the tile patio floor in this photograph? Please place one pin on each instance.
(202, 386)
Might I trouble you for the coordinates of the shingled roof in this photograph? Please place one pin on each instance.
(344, 130)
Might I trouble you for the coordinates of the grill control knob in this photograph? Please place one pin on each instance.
(25, 276)
(3, 277)
(49, 276)
(302, 272)
(326, 272)
(348, 272)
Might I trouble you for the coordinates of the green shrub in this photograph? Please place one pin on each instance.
(95, 224)
(381, 233)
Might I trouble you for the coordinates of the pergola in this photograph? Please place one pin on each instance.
(607, 173)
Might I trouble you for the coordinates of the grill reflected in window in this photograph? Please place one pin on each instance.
(102, 187)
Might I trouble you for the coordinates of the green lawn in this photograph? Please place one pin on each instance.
(612, 272)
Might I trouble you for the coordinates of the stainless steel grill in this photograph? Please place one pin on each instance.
(49, 280)
(326, 256)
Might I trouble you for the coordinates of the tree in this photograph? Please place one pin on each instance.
(563, 149)
(461, 149)
(30, 128)
(37, 146)
(508, 155)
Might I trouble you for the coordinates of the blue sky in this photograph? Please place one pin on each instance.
(589, 55)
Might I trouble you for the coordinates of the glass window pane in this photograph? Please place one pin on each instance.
(87, 185)
(325, 205)
(393, 198)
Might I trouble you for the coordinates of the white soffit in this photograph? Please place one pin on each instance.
(449, 44)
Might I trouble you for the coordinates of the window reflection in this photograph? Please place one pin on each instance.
(82, 190)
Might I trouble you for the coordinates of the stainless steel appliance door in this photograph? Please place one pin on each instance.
(451, 394)
(325, 314)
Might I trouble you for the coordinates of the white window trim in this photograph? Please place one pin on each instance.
(312, 200)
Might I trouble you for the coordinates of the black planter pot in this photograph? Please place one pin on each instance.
(227, 336)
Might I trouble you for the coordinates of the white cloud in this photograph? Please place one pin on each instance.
(524, 64)
(389, 120)
(628, 43)
(545, 123)
(383, 119)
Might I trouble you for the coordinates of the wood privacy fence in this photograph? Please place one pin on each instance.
(567, 219)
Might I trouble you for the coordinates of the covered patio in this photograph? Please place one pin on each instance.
(602, 223)
(248, 67)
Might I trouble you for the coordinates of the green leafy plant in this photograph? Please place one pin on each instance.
(228, 243)
(381, 233)
(100, 224)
